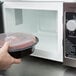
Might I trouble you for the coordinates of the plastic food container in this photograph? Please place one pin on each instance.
(21, 44)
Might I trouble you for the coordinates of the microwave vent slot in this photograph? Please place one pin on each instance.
(18, 16)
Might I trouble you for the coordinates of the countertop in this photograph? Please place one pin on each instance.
(33, 66)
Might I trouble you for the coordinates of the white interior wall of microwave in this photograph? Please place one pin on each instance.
(42, 23)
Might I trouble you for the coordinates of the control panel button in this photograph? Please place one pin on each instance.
(71, 25)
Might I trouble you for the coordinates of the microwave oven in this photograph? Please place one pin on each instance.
(43, 19)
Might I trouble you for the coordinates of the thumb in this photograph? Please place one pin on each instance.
(17, 61)
(5, 46)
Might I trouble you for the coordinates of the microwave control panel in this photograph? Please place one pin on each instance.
(70, 30)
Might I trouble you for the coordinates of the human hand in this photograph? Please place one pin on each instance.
(6, 60)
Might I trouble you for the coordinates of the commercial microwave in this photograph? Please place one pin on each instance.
(50, 21)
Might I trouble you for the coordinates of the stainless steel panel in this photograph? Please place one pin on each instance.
(70, 62)
(69, 38)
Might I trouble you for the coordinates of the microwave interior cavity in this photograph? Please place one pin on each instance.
(41, 23)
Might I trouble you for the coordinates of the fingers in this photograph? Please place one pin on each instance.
(13, 60)
(5, 46)
(16, 61)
